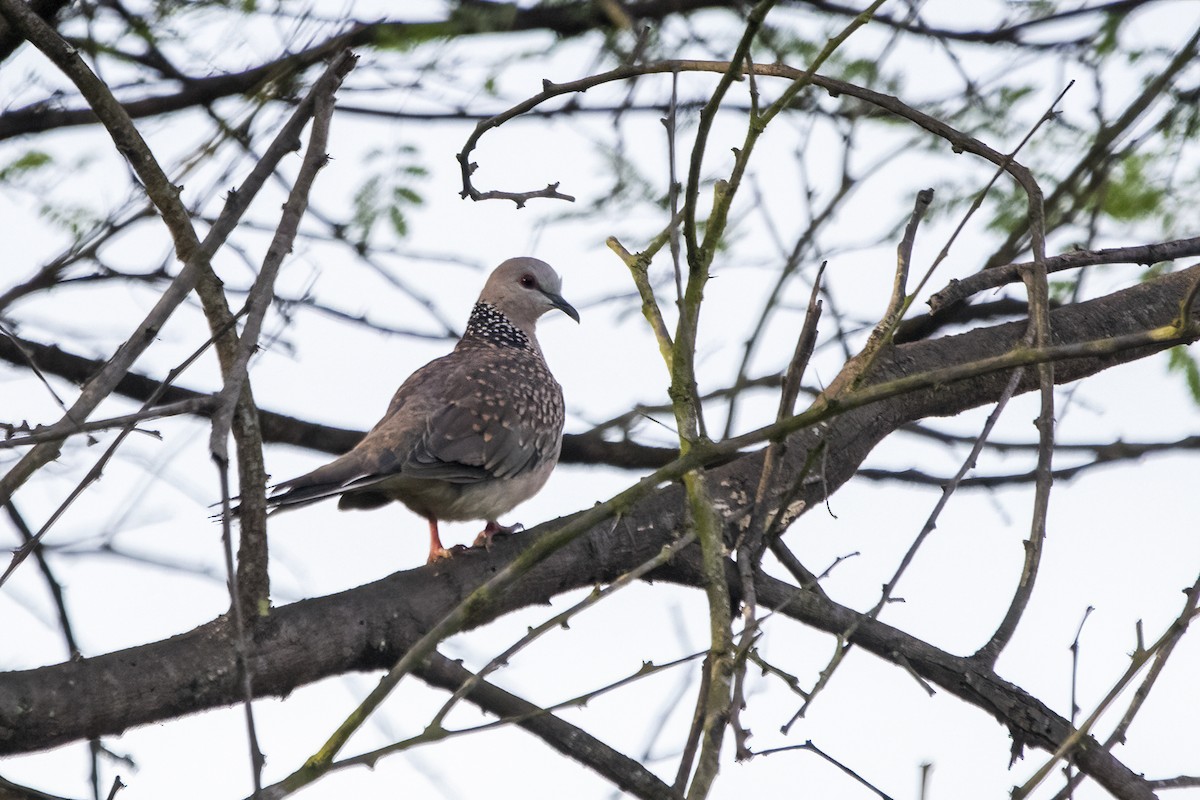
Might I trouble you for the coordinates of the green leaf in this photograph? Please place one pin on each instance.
(386, 192)
(399, 223)
(76, 220)
(366, 210)
(861, 70)
(1131, 194)
(1061, 291)
(25, 164)
(1011, 206)
(1180, 359)
(404, 194)
(1106, 41)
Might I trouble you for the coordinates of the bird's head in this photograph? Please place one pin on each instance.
(523, 289)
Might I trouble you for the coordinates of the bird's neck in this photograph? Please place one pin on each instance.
(488, 325)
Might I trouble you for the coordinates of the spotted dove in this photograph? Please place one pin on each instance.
(471, 434)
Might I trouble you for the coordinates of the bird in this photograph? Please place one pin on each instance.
(470, 435)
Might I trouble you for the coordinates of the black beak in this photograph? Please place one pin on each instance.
(562, 305)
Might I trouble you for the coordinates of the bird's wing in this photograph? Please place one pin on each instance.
(380, 454)
(503, 420)
(459, 420)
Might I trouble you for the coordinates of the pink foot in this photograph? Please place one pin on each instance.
(443, 553)
(436, 551)
(492, 529)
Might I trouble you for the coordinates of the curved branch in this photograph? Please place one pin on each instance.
(959, 141)
(472, 18)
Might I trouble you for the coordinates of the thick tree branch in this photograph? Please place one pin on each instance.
(370, 627)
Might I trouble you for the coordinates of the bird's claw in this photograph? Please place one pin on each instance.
(494, 529)
(443, 553)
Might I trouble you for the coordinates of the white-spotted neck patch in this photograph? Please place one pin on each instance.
(488, 324)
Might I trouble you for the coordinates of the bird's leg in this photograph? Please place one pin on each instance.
(436, 551)
(491, 529)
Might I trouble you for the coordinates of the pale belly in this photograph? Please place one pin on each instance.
(460, 502)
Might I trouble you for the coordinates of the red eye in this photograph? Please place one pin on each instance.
(528, 281)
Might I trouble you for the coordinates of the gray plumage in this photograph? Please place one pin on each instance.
(471, 434)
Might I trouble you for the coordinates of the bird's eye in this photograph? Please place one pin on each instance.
(528, 281)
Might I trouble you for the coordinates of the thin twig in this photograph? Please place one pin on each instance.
(245, 600)
(949, 488)
(812, 748)
(1138, 659)
(1039, 336)
(56, 432)
(692, 743)
(977, 202)
(560, 620)
(762, 524)
(859, 368)
(1075, 692)
(52, 583)
(33, 366)
(164, 194)
(435, 733)
(983, 280)
(98, 468)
